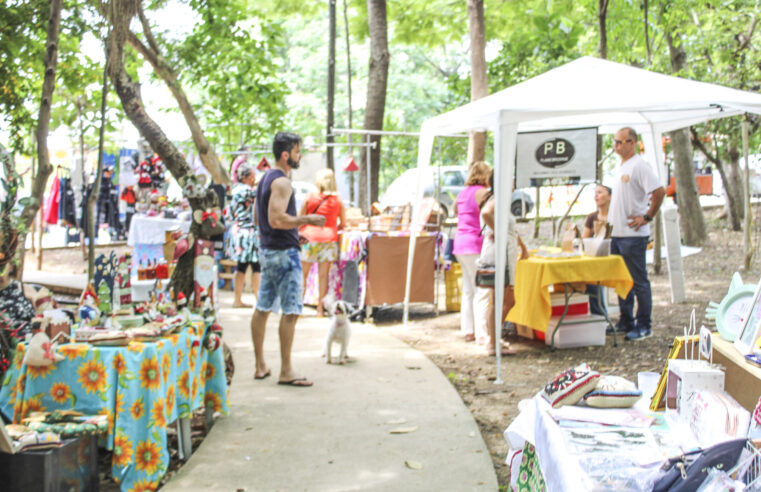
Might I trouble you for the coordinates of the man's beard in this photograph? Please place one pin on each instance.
(293, 164)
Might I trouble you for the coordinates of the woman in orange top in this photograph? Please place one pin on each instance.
(322, 242)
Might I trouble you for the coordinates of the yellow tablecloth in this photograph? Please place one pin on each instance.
(533, 275)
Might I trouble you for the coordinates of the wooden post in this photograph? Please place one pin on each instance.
(39, 239)
(747, 246)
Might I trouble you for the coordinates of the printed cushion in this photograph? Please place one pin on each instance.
(613, 392)
(568, 387)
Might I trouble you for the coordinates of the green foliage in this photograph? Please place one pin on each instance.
(23, 32)
(227, 59)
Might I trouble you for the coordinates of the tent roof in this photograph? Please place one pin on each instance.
(594, 92)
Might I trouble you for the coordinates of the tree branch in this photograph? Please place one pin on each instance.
(697, 143)
(147, 29)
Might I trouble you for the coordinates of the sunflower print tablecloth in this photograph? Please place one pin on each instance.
(141, 387)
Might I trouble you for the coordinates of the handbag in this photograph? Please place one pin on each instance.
(683, 477)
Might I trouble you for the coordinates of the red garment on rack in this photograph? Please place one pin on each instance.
(51, 204)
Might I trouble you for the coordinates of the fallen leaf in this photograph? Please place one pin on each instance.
(403, 430)
(413, 465)
(413, 368)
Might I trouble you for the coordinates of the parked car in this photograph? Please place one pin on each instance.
(451, 182)
(300, 190)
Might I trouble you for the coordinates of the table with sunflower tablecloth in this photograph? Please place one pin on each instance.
(141, 387)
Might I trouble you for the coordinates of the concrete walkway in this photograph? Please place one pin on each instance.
(336, 435)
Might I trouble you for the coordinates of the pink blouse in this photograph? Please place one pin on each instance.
(467, 239)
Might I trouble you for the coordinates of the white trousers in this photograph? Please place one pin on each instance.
(474, 304)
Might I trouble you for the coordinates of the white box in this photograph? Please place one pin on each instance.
(577, 331)
(686, 377)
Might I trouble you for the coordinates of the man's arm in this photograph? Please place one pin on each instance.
(656, 199)
(279, 195)
(487, 212)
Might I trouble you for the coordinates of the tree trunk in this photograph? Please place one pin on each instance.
(602, 17)
(730, 179)
(377, 80)
(91, 231)
(331, 81)
(479, 83)
(43, 120)
(690, 212)
(152, 53)
(120, 13)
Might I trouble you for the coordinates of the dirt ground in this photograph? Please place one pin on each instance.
(472, 372)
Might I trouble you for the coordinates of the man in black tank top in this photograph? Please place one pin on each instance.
(281, 277)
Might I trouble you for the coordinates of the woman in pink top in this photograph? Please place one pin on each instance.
(322, 242)
(467, 248)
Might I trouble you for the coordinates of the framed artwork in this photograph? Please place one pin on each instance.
(746, 339)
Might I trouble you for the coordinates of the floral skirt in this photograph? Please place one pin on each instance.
(319, 252)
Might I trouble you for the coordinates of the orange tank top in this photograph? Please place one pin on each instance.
(328, 206)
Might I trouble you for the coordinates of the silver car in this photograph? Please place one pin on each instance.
(451, 182)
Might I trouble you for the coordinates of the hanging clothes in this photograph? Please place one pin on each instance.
(51, 204)
(67, 208)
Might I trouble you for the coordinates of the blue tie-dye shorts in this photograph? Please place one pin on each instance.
(281, 279)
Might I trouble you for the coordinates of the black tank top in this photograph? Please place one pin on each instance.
(270, 238)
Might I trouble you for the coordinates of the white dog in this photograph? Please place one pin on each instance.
(340, 330)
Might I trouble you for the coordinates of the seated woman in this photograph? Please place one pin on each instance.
(487, 261)
(602, 200)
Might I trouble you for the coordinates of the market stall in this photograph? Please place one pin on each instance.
(362, 277)
(141, 387)
(536, 274)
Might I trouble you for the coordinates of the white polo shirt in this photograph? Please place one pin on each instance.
(633, 182)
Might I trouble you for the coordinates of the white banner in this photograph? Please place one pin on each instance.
(556, 157)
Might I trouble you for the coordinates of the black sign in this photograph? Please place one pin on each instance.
(554, 152)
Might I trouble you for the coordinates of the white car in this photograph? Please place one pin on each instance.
(452, 181)
(301, 189)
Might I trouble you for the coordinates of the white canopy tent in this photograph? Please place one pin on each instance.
(583, 93)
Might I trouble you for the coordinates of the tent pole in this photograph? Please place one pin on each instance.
(369, 178)
(747, 250)
(504, 162)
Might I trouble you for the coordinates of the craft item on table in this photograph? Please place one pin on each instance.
(42, 298)
(623, 417)
(613, 392)
(595, 246)
(203, 271)
(84, 333)
(568, 387)
(88, 310)
(213, 338)
(571, 240)
(162, 270)
(681, 476)
(35, 441)
(105, 271)
(193, 185)
(110, 338)
(57, 321)
(104, 295)
(144, 334)
(211, 225)
(754, 430)
(545, 253)
(685, 376)
(729, 314)
(125, 322)
(171, 236)
(747, 340)
(41, 351)
(714, 417)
